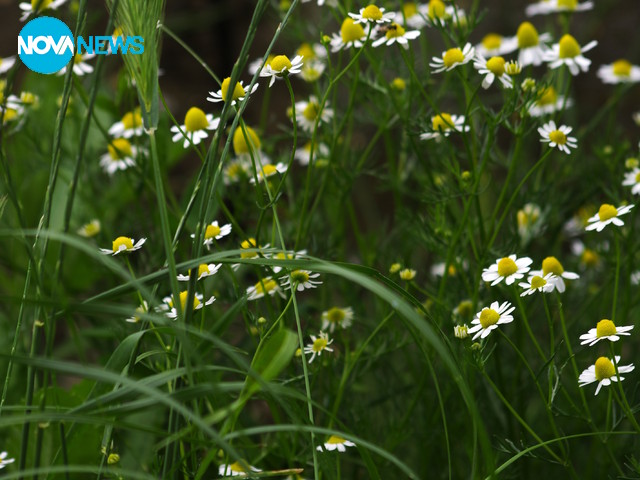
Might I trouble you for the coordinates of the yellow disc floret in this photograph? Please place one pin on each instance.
(552, 265)
(119, 148)
(351, 31)
(249, 243)
(547, 96)
(621, 68)
(372, 12)
(394, 31)
(212, 231)
(569, 47)
(496, 66)
(132, 120)
(442, 122)
(558, 137)
(238, 91)
(604, 368)
(436, 9)
(605, 327)
(319, 344)
(240, 145)
(334, 440)
(488, 317)
(280, 63)
(335, 315)
(310, 112)
(506, 267)
(42, 3)
(306, 51)
(409, 9)
(538, 282)
(607, 211)
(195, 120)
(568, 4)
(266, 286)
(452, 56)
(492, 41)
(527, 35)
(122, 241)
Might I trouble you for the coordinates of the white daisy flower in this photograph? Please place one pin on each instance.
(236, 469)
(532, 51)
(604, 372)
(196, 124)
(236, 170)
(557, 6)
(38, 6)
(90, 229)
(281, 66)
(557, 137)
(266, 286)
(309, 52)
(351, 35)
(635, 277)
(568, 52)
(413, 15)
(4, 461)
(439, 14)
(238, 95)
(461, 331)
(536, 283)
(337, 317)
(171, 311)
(442, 125)
(123, 244)
(318, 345)
(129, 126)
(494, 44)
(492, 69)
(303, 155)
(328, 3)
(214, 232)
(144, 308)
(372, 14)
(395, 33)
(607, 214)
(80, 65)
(452, 58)
(529, 219)
(312, 70)
(490, 317)
(548, 102)
(605, 330)
(407, 274)
(632, 179)
(268, 170)
(303, 279)
(120, 156)
(620, 71)
(204, 270)
(508, 269)
(335, 443)
(551, 265)
(6, 63)
(286, 256)
(307, 113)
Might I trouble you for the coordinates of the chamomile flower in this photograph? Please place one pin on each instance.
(204, 270)
(620, 71)
(4, 461)
(395, 33)
(169, 307)
(607, 214)
(557, 137)
(236, 169)
(214, 232)
(268, 170)
(238, 95)
(130, 125)
(452, 58)
(302, 279)
(351, 35)
(38, 6)
(557, 6)
(632, 179)
(407, 274)
(492, 69)
(90, 229)
(547, 102)
(461, 331)
(266, 286)
(80, 65)
(335, 443)
(303, 155)
(494, 44)
(123, 244)
(318, 345)
(490, 317)
(552, 266)
(236, 469)
(605, 330)
(508, 269)
(568, 52)
(529, 221)
(372, 14)
(308, 113)
(120, 156)
(312, 70)
(439, 14)
(337, 317)
(6, 63)
(281, 66)
(604, 372)
(141, 309)
(286, 256)
(413, 14)
(329, 3)
(532, 51)
(536, 283)
(443, 124)
(246, 141)
(194, 130)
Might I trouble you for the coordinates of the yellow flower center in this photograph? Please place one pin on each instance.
(568, 4)
(9, 114)
(394, 31)
(409, 9)
(280, 63)
(538, 282)
(118, 242)
(604, 368)
(43, 4)
(465, 308)
(183, 300)
(372, 12)
(306, 51)
(269, 170)
(132, 120)
(638, 177)
(319, 344)
(548, 96)
(240, 144)
(119, 148)
(604, 328)
(117, 32)
(436, 9)
(552, 265)
(589, 257)
(299, 276)
(195, 120)
(28, 98)
(496, 66)
(335, 315)
(488, 317)
(569, 47)
(237, 468)
(621, 68)
(452, 56)
(558, 137)
(91, 229)
(506, 267)
(527, 35)
(492, 41)
(442, 122)
(266, 286)
(238, 91)
(250, 243)
(398, 84)
(334, 440)
(77, 58)
(310, 112)
(212, 231)
(351, 31)
(202, 269)
(607, 211)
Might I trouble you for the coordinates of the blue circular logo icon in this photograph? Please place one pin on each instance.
(45, 45)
